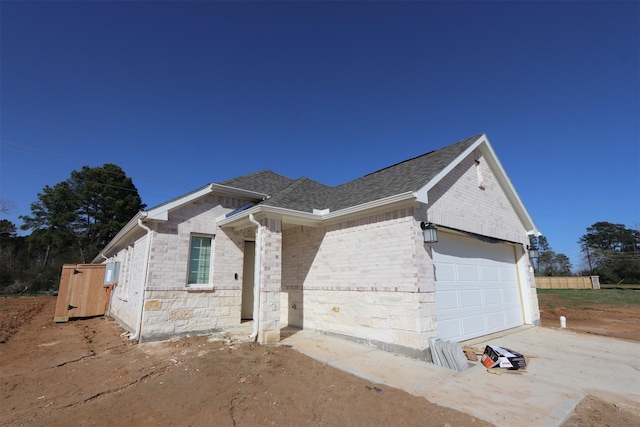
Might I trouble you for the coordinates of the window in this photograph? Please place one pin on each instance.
(199, 260)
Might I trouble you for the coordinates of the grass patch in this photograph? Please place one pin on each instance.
(586, 297)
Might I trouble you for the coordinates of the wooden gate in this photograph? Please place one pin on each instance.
(82, 292)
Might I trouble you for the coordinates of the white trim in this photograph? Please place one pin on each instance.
(241, 220)
(209, 284)
(161, 212)
(483, 144)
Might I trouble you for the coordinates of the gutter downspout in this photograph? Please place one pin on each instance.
(138, 334)
(256, 278)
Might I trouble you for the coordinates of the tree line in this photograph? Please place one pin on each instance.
(69, 224)
(73, 220)
(611, 251)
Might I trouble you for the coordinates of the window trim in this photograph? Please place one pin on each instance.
(209, 284)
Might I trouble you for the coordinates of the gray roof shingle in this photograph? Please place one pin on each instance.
(305, 194)
(264, 181)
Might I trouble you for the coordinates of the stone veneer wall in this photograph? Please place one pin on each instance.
(366, 279)
(169, 313)
(171, 306)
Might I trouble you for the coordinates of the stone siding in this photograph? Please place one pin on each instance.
(172, 307)
(366, 279)
(169, 313)
(396, 321)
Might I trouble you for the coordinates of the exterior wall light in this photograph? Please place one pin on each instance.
(533, 252)
(430, 232)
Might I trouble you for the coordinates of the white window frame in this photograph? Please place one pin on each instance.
(209, 283)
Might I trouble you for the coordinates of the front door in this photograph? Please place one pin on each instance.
(247, 280)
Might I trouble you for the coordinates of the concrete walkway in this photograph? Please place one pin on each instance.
(563, 367)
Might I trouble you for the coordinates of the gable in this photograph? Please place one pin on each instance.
(472, 197)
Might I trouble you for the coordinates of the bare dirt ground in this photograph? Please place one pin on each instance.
(84, 373)
(611, 321)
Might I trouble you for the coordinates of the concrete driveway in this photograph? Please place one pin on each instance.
(563, 367)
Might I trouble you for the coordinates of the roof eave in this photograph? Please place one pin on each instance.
(291, 216)
(241, 220)
(122, 236)
(161, 212)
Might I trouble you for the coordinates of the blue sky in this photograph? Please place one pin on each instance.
(180, 94)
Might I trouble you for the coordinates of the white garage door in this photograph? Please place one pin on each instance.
(477, 290)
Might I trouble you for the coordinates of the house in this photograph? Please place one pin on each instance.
(349, 260)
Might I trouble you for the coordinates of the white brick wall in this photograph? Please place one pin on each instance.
(127, 295)
(370, 279)
(170, 306)
(367, 279)
(169, 255)
(271, 280)
(458, 202)
(374, 253)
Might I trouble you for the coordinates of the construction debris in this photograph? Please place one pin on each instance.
(448, 354)
(471, 353)
(500, 357)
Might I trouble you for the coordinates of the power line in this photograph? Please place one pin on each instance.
(91, 182)
(37, 152)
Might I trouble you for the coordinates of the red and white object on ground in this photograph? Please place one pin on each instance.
(500, 357)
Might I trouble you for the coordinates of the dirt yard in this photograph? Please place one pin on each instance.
(85, 373)
(598, 319)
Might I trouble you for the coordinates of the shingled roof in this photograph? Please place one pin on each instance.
(305, 195)
(264, 181)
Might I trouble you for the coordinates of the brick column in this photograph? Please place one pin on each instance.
(271, 281)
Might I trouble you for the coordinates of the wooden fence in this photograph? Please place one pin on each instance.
(588, 282)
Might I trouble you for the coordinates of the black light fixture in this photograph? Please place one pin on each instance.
(533, 252)
(429, 231)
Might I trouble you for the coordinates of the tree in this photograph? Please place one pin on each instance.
(14, 262)
(549, 262)
(613, 252)
(107, 201)
(74, 219)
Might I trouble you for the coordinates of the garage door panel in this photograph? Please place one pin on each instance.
(492, 297)
(472, 298)
(473, 325)
(477, 289)
(508, 275)
(513, 317)
(449, 328)
(468, 273)
(495, 321)
(445, 272)
(490, 274)
(448, 300)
